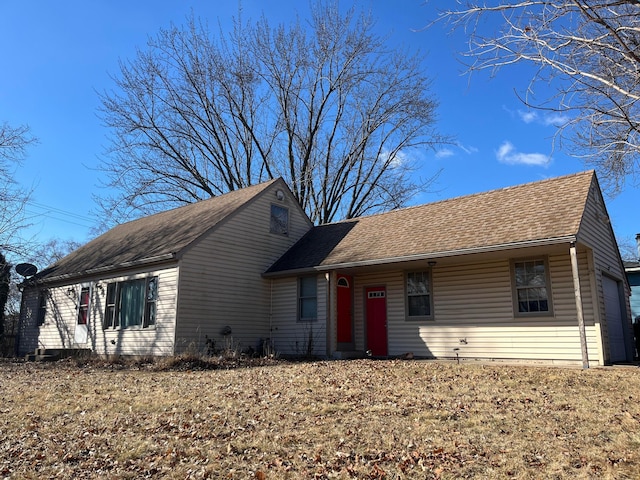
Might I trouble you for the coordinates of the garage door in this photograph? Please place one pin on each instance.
(613, 313)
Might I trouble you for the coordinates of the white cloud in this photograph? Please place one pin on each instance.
(546, 118)
(466, 149)
(528, 116)
(508, 154)
(447, 152)
(555, 119)
(444, 153)
(400, 158)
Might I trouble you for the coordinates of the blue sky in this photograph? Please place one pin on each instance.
(57, 55)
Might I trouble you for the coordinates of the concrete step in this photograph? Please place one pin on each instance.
(53, 354)
(33, 357)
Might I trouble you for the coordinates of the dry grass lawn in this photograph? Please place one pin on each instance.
(341, 419)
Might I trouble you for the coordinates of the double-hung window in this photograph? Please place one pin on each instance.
(307, 299)
(83, 306)
(131, 303)
(531, 287)
(419, 296)
(110, 318)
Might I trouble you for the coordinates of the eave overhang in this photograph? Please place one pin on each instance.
(424, 256)
(113, 269)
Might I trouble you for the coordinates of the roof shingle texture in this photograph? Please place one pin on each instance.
(153, 236)
(535, 211)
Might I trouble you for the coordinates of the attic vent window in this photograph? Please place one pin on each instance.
(279, 220)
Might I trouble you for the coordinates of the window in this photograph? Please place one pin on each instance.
(131, 303)
(279, 220)
(110, 319)
(83, 306)
(418, 295)
(307, 299)
(42, 307)
(150, 302)
(531, 282)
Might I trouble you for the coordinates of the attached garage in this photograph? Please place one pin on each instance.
(614, 318)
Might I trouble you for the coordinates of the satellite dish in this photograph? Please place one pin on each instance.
(26, 269)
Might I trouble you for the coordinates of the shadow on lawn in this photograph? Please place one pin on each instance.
(179, 363)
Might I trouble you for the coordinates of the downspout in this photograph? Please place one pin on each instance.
(579, 312)
(328, 310)
(270, 317)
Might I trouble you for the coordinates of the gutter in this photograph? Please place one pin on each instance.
(425, 256)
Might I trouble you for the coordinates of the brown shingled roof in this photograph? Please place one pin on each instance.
(538, 211)
(148, 239)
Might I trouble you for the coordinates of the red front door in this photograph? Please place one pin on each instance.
(345, 325)
(376, 298)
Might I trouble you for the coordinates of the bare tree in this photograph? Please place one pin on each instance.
(46, 254)
(628, 247)
(5, 281)
(588, 49)
(13, 144)
(41, 255)
(13, 199)
(330, 108)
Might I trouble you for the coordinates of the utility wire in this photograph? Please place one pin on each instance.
(60, 215)
(59, 211)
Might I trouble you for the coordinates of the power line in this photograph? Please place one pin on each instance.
(40, 214)
(60, 215)
(59, 211)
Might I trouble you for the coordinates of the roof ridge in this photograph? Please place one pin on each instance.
(200, 202)
(470, 195)
(542, 212)
(159, 236)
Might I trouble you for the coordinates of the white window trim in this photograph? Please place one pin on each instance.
(116, 305)
(83, 286)
(299, 317)
(418, 318)
(514, 289)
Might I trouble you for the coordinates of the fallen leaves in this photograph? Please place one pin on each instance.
(343, 419)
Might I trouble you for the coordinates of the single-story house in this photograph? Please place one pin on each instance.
(188, 278)
(529, 273)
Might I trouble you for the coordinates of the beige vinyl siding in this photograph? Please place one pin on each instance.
(290, 337)
(59, 327)
(158, 340)
(221, 280)
(473, 315)
(596, 233)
